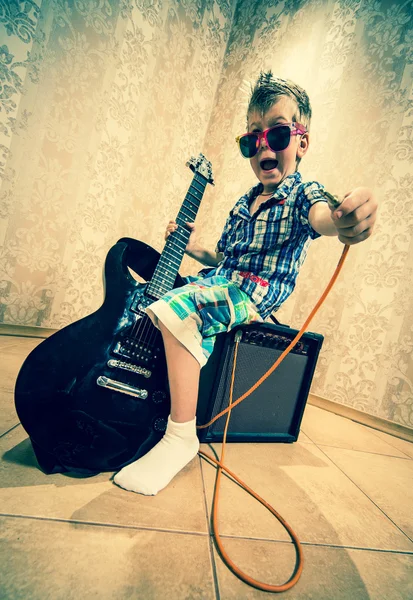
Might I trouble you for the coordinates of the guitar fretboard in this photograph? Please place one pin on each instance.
(168, 265)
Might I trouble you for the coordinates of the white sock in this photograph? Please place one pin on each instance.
(153, 471)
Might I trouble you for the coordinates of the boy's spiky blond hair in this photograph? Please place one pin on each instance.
(269, 89)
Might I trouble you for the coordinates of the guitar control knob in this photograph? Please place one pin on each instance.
(158, 397)
(160, 424)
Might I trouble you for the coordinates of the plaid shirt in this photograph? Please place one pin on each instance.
(263, 253)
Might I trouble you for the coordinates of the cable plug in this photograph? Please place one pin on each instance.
(332, 200)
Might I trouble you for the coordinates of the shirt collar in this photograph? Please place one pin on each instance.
(282, 191)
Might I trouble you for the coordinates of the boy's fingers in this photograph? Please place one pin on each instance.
(354, 217)
(170, 228)
(359, 203)
(357, 228)
(348, 205)
(351, 240)
(173, 226)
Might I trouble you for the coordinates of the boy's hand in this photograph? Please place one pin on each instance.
(355, 217)
(172, 226)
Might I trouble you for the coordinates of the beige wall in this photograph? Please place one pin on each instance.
(111, 104)
(99, 118)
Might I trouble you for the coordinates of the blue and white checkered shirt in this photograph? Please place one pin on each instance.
(263, 253)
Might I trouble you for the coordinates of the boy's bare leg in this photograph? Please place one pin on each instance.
(180, 444)
(183, 375)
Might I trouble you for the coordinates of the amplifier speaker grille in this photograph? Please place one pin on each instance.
(274, 410)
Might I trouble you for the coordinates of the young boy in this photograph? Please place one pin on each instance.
(254, 267)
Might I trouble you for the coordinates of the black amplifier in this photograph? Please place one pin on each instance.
(273, 412)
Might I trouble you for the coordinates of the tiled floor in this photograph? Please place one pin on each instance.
(345, 489)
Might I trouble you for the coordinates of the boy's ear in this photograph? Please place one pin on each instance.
(303, 145)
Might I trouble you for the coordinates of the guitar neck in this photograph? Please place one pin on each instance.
(168, 265)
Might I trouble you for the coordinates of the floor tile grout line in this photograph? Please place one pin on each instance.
(373, 431)
(210, 536)
(9, 430)
(365, 493)
(106, 525)
(200, 534)
(405, 457)
(319, 544)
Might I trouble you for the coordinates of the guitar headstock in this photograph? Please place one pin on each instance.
(201, 165)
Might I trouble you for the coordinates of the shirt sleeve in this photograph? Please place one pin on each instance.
(310, 193)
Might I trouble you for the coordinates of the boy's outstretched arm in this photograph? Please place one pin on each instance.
(352, 221)
(193, 249)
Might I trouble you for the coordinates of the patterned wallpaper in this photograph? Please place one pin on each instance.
(101, 104)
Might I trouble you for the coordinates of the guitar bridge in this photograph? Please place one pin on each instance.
(120, 364)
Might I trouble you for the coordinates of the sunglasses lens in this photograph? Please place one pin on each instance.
(278, 138)
(248, 145)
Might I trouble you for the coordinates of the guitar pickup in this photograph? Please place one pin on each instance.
(119, 386)
(135, 350)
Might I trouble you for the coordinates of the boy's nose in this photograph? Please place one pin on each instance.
(263, 142)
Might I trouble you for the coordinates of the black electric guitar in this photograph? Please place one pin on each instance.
(94, 396)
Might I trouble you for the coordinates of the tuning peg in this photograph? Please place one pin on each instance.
(191, 163)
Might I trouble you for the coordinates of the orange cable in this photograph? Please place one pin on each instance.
(292, 344)
(300, 559)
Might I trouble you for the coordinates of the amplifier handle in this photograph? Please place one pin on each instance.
(276, 321)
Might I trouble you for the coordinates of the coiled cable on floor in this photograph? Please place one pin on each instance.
(221, 467)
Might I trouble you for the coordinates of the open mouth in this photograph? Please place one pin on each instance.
(268, 164)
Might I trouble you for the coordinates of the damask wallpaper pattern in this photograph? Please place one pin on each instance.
(102, 102)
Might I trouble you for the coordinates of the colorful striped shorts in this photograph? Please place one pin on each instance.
(196, 312)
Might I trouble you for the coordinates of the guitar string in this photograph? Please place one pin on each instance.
(140, 326)
(184, 219)
(137, 327)
(144, 328)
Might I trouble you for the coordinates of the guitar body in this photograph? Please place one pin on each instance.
(94, 396)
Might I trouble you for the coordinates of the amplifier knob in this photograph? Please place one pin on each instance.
(160, 424)
(259, 338)
(158, 396)
(268, 339)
